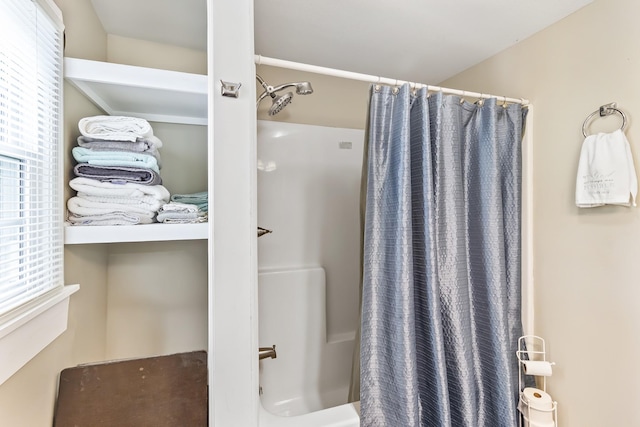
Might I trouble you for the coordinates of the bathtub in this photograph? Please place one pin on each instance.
(346, 415)
(307, 384)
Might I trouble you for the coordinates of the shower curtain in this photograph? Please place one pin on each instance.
(441, 272)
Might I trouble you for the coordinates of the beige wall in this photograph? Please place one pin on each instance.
(84, 36)
(587, 293)
(124, 50)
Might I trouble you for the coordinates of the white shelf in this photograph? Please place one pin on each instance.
(148, 93)
(79, 234)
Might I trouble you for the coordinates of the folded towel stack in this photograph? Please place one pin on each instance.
(185, 209)
(118, 173)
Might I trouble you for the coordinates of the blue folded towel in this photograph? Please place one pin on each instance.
(115, 158)
(201, 199)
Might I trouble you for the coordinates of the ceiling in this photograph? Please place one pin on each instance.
(417, 40)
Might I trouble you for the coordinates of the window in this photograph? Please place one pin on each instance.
(30, 129)
(31, 205)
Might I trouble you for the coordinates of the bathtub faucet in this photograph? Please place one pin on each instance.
(264, 352)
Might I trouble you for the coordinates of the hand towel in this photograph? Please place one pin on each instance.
(139, 144)
(115, 218)
(200, 199)
(94, 187)
(179, 207)
(606, 173)
(174, 213)
(115, 158)
(117, 174)
(82, 207)
(118, 128)
(182, 218)
(147, 203)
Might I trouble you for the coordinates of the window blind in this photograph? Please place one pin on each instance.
(31, 205)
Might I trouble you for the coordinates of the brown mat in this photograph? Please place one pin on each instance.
(163, 391)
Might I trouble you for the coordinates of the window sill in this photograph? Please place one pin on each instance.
(28, 330)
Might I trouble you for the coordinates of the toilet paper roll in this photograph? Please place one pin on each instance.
(537, 407)
(537, 368)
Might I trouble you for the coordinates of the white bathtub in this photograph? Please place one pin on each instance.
(307, 384)
(347, 415)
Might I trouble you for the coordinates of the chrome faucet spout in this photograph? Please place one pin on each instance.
(265, 352)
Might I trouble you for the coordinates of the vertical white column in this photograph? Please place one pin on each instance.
(233, 344)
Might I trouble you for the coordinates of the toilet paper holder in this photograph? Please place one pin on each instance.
(532, 348)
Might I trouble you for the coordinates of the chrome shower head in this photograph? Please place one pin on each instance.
(304, 88)
(279, 102)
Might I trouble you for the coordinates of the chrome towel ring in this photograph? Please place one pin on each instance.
(605, 110)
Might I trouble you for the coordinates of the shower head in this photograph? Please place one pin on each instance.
(304, 88)
(279, 102)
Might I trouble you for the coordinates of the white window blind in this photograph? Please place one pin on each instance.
(31, 210)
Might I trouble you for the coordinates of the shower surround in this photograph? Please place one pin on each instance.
(309, 196)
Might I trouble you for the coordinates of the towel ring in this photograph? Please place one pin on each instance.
(605, 110)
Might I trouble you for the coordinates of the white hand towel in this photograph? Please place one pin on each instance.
(81, 207)
(94, 187)
(179, 207)
(606, 174)
(114, 218)
(118, 128)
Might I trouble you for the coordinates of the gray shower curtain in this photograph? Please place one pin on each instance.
(441, 272)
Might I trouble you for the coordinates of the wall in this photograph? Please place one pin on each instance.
(125, 50)
(587, 293)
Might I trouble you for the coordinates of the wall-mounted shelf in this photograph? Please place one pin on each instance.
(78, 234)
(148, 93)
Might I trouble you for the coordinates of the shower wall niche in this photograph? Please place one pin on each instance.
(309, 196)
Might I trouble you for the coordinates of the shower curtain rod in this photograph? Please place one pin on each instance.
(263, 60)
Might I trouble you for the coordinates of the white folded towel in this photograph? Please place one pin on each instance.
(181, 213)
(179, 207)
(114, 218)
(93, 187)
(82, 207)
(117, 128)
(146, 202)
(606, 174)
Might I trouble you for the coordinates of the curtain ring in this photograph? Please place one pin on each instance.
(464, 93)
